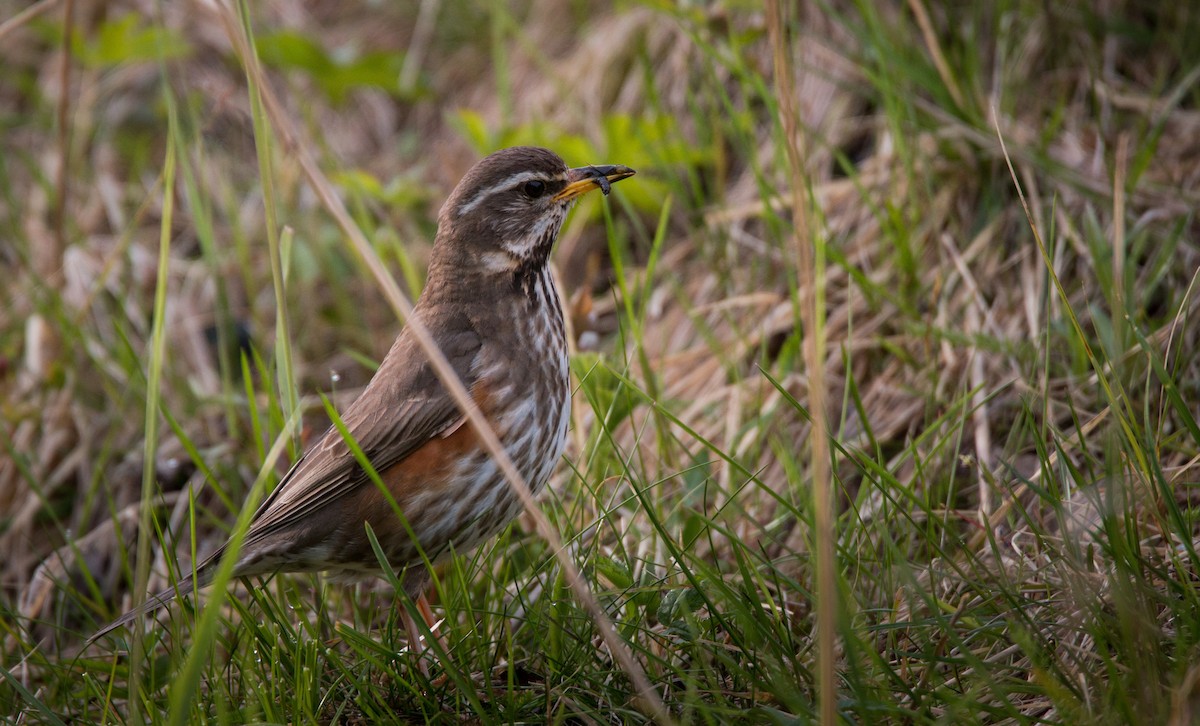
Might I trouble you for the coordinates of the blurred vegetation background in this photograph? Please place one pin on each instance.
(1003, 203)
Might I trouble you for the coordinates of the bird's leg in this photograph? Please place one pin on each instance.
(415, 642)
(427, 613)
(416, 646)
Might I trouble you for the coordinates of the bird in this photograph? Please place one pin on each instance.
(491, 305)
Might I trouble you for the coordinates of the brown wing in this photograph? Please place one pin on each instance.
(402, 408)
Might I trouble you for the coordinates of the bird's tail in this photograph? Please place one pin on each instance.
(185, 586)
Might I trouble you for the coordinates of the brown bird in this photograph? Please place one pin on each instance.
(491, 305)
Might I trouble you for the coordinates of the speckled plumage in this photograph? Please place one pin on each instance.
(491, 305)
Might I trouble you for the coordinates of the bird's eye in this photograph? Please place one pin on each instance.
(534, 188)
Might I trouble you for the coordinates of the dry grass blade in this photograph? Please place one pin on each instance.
(811, 283)
(23, 17)
(52, 258)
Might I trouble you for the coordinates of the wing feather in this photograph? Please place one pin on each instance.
(402, 408)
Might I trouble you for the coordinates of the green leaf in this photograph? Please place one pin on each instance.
(675, 603)
(288, 50)
(126, 40)
(338, 73)
(473, 128)
(614, 572)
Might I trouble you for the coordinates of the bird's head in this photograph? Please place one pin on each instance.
(507, 211)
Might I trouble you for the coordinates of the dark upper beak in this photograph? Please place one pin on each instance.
(586, 178)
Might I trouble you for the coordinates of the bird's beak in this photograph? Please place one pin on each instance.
(586, 178)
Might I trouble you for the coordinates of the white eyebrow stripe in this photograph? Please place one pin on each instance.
(507, 183)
